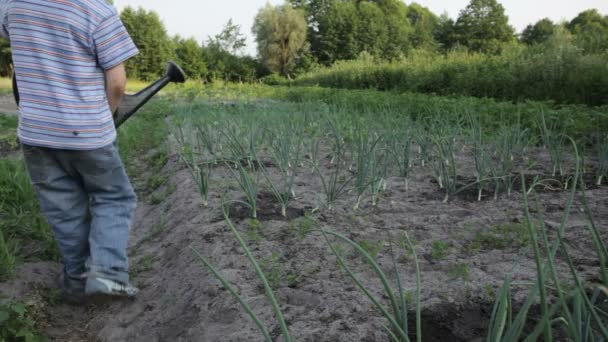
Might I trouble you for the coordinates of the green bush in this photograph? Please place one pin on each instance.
(556, 71)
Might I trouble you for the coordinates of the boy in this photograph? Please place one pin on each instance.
(68, 59)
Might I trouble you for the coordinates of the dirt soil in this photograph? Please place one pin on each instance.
(180, 300)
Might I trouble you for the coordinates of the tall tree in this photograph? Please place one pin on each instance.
(483, 26)
(231, 38)
(424, 23)
(338, 27)
(151, 38)
(280, 32)
(538, 33)
(591, 31)
(372, 33)
(445, 33)
(315, 10)
(399, 28)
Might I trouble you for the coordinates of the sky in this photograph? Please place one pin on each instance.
(203, 18)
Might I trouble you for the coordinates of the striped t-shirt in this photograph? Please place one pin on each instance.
(60, 51)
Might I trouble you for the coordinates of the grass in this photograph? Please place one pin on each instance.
(25, 233)
(8, 133)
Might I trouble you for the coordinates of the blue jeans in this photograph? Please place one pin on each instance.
(88, 200)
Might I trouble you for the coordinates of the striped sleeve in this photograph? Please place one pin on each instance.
(113, 44)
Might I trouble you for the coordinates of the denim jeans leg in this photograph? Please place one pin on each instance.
(64, 203)
(112, 201)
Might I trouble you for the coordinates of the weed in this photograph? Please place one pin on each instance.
(273, 270)
(155, 181)
(253, 233)
(302, 226)
(440, 249)
(499, 236)
(371, 248)
(459, 271)
(16, 324)
(143, 265)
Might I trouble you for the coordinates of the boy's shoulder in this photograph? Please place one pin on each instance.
(102, 7)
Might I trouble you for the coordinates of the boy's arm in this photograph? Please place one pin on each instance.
(116, 81)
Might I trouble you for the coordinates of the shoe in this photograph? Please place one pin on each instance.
(100, 289)
(72, 290)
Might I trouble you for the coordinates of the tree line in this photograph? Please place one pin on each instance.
(301, 35)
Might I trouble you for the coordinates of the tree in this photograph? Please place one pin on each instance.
(222, 56)
(445, 33)
(151, 38)
(315, 10)
(230, 39)
(280, 32)
(538, 33)
(399, 29)
(189, 55)
(372, 33)
(591, 31)
(339, 27)
(424, 23)
(483, 26)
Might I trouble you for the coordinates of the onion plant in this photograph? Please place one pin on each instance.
(480, 156)
(336, 183)
(312, 145)
(234, 142)
(425, 145)
(261, 276)
(191, 152)
(369, 165)
(573, 309)
(248, 180)
(554, 141)
(602, 159)
(510, 142)
(399, 147)
(396, 314)
(286, 150)
(444, 161)
(210, 139)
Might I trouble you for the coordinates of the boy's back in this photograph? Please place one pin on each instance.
(60, 51)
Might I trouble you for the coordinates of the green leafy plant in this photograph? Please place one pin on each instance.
(16, 325)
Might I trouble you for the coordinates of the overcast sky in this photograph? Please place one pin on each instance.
(203, 18)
